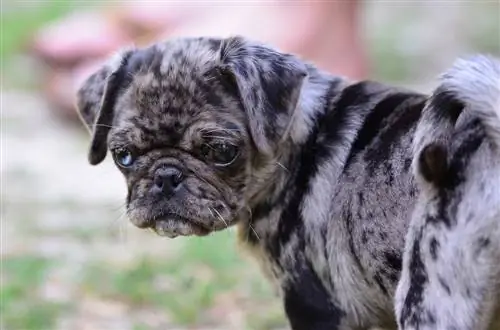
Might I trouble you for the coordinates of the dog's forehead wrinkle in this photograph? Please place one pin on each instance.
(187, 54)
(179, 78)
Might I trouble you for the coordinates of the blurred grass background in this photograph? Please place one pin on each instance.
(70, 260)
(22, 19)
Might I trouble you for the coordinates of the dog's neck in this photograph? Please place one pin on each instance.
(278, 176)
(318, 90)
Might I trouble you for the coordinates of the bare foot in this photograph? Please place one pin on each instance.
(76, 37)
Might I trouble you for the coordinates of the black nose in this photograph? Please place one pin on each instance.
(167, 180)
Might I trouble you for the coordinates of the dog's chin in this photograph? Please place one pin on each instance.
(173, 226)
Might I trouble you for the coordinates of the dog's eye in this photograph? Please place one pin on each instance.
(123, 157)
(221, 154)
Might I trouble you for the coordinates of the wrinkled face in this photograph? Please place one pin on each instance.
(188, 124)
(183, 147)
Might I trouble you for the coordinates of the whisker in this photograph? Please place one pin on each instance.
(212, 213)
(220, 137)
(104, 125)
(122, 230)
(201, 178)
(220, 216)
(219, 129)
(209, 79)
(283, 166)
(114, 208)
(249, 210)
(254, 231)
(121, 214)
(119, 221)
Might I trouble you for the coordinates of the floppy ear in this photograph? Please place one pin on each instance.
(269, 84)
(96, 99)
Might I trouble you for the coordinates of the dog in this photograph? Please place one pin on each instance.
(312, 168)
(451, 269)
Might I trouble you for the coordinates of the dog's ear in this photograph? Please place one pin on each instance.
(96, 100)
(269, 85)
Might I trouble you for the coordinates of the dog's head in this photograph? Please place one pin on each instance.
(191, 124)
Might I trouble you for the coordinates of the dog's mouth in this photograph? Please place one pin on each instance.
(169, 221)
(173, 225)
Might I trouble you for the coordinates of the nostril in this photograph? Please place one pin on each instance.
(172, 182)
(167, 180)
(176, 179)
(158, 181)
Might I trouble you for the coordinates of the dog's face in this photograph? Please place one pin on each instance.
(193, 125)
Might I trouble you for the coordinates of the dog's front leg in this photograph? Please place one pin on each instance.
(307, 312)
(308, 305)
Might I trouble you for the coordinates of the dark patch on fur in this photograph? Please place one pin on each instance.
(431, 318)
(364, 237)
(411, 311)
(117, 81)
(308, 162)
(449, 108)
(393, 261)
(459, 159)
(407, 164)
(481, 244)
(347, 217)
(380, 282)
(433, 163)
(404, 117)
(337, 117)
(434, 248)
(393, 277)
(142, 59)
(361, 199)
(376, 121)
(307, 303)
(473, 136)
(444, 285)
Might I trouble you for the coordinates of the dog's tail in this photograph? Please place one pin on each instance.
(472, 86)
(476, 83)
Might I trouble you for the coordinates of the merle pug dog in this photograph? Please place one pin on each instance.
(451, 267)
(314, 170)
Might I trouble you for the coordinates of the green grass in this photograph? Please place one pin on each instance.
(21, 21)
(188, 285)
(191, 287)
(21, 307)
(486, 34)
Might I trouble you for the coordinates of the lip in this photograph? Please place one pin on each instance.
(173, 225)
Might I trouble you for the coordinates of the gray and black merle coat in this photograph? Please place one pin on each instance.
(314, 170)
(451, 267)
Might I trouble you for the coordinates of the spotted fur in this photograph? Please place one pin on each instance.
(321, 190)
(451, 270)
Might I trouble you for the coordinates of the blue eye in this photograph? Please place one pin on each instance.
(123, 157)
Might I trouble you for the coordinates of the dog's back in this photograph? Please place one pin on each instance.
(451, 273)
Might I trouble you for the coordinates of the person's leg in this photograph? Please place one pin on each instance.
(340, 46)
(327, 33)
